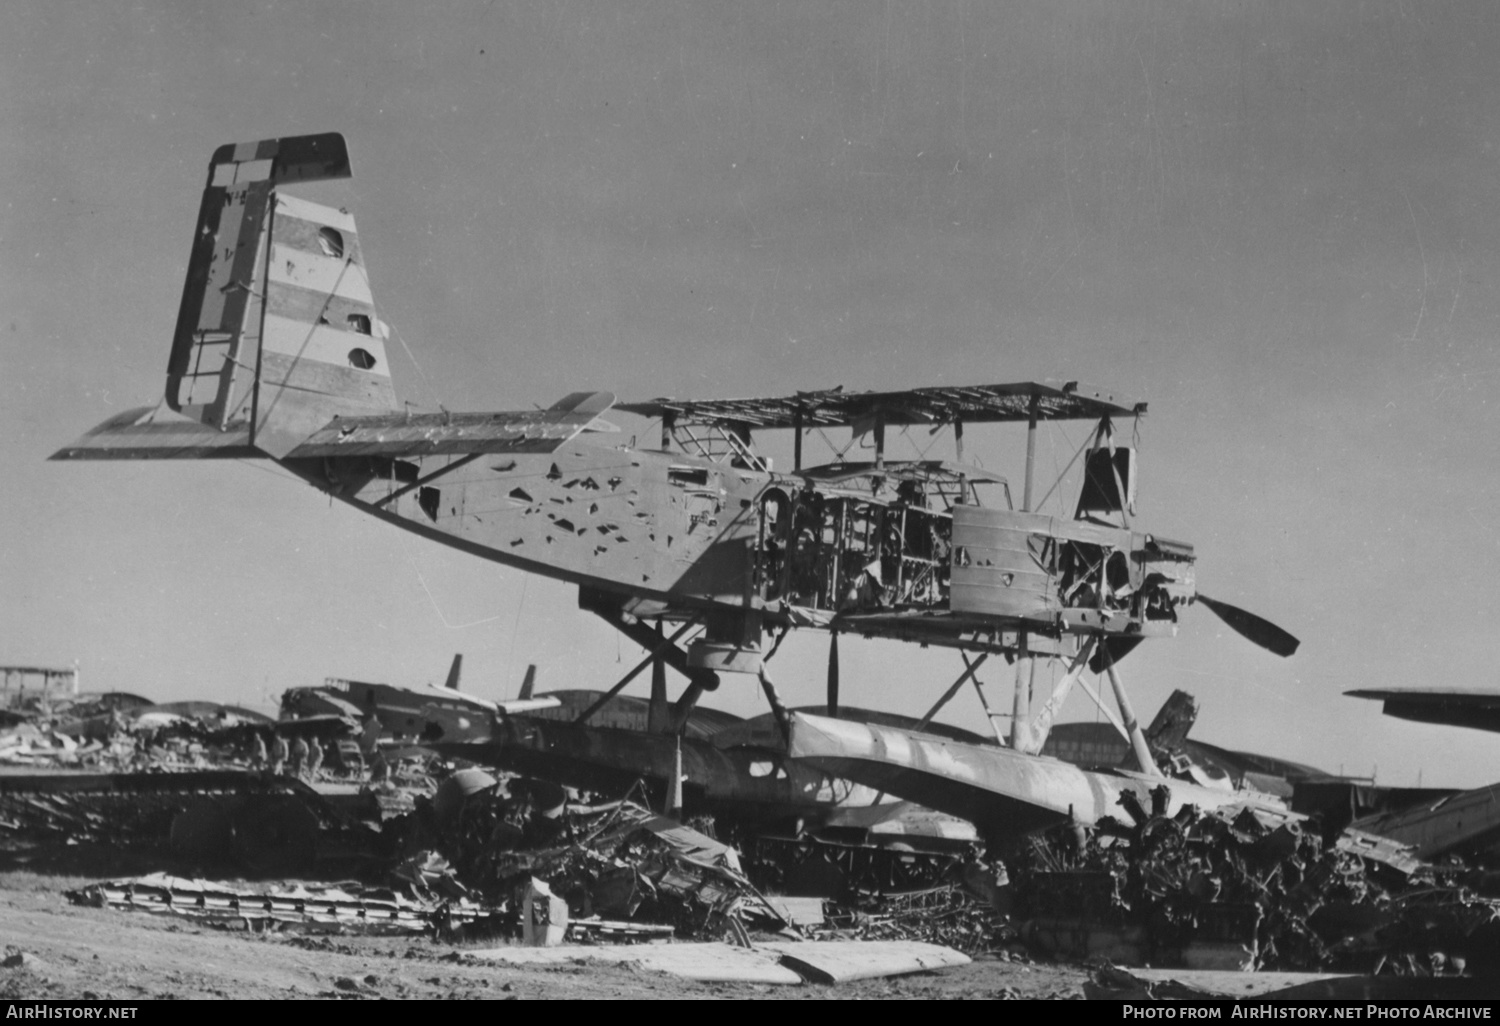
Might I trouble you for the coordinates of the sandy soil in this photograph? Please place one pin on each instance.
(77, 952)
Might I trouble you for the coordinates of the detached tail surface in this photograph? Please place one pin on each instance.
(277, 332)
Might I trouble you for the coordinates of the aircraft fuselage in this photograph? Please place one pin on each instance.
(639, 522)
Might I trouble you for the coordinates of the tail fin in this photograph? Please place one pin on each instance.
(277, 330)
(454, 672)
(528, 682)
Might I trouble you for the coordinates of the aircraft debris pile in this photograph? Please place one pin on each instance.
(616, 872)
(28, 744)
(66, 730)
(33, 809)
(824, 861)
(123, 732)
(619, 868)
(1242, 889)
(264, 824)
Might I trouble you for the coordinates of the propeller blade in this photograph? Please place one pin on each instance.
(1262, 632)
(1112, 649)
(833, 674)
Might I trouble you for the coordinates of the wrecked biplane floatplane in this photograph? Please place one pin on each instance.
(278, 353)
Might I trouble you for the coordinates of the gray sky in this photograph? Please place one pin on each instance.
(1277, 223)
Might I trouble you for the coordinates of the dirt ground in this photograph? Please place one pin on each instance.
(78, 952)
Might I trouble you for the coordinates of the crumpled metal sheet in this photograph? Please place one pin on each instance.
(947, 915)
(621, 860)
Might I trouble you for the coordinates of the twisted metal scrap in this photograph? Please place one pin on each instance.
(946, 915)
(1250, 877)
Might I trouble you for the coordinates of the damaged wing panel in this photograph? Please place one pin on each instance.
(943, 404)
(998, 789)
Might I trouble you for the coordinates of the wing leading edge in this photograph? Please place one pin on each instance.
(942, 404)
(1478, 708)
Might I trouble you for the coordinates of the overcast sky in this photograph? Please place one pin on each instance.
(1276, 223)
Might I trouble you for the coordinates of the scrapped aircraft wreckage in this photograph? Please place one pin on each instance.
(1440, 823)
(118, 730)
(262, 824)
(1241, 885)
(544, 924)
(279, 354)
(1247, 888)
(631, 857)
(802, 830)
(797, 826)
(1308, 876)
(703, 554)
(407, 717)
(193, 786)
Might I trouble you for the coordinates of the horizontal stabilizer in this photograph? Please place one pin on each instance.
(526, 431)
(150, 433)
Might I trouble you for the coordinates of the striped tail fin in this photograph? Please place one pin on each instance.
(277, 332)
